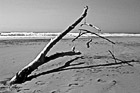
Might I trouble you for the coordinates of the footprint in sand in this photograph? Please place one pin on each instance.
(101, 80)
(55, 91)
(108, 87)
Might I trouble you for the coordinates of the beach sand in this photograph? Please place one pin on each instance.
(15, 54)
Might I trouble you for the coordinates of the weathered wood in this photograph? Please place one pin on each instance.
(88, 43)
(42, 57)
(87, 31)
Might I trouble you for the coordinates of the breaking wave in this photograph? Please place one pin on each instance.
(34, 35)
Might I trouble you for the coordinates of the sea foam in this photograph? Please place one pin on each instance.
(35, 35)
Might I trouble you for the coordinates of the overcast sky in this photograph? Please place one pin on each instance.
(56, 15)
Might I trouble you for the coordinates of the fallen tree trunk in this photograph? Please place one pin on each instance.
(42, 57)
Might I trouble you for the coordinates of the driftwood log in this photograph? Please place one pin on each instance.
(42, 57)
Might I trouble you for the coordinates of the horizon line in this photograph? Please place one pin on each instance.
(61, 31)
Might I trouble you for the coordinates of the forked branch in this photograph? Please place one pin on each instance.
(42, 57)
(87, 31)
(116, 59)
(84, 31)
(90, 25)
(113, 56)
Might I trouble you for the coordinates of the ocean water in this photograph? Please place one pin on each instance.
(32, 35)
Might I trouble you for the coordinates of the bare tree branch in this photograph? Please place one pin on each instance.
(60, 36)
(102, 65)
(118, 59)
(79, 35)
(90, 25)
(62, 54)
(73, 48)
(89, 43)
(41, 58)
(112, 56)
(84, 31)
(67, 64)
(97, 35)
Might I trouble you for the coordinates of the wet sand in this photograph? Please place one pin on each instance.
(15, 54)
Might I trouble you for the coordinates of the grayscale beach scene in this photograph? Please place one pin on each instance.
(75, 46)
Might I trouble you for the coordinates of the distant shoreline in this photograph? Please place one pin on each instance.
(32, 35)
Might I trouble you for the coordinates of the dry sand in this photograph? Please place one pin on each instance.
(15, 54)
